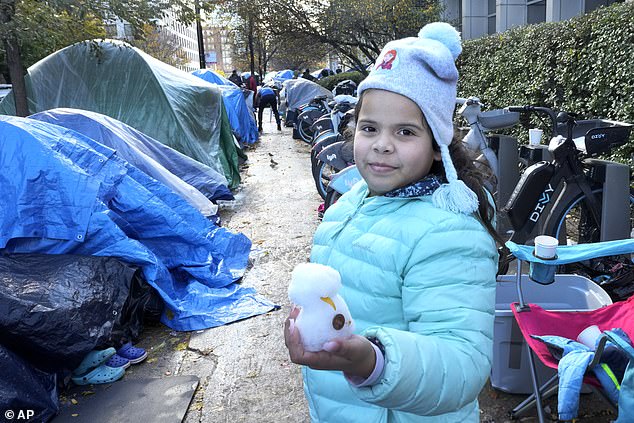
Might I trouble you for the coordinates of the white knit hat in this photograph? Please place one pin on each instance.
(423, 69)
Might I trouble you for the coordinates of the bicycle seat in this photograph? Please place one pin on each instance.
(498, 118)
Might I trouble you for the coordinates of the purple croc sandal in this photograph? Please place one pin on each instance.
(131, 353)
(117, 361)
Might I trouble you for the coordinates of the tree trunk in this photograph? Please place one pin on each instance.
(251, 52)
(14, 61)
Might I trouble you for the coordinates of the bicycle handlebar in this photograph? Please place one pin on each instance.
(468, 101)
(536, 109)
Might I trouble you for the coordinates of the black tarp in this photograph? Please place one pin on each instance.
(54, 309)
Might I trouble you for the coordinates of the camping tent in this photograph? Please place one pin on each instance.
(240, 117)
(213, 77)
(64, 193)
(190, 179)
(284, 75)
(297, 92)
(120, 81)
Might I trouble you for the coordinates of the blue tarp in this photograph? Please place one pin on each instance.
(213, 77)
(241, 119)
(64, 193)
(283, 75)
(131, 143)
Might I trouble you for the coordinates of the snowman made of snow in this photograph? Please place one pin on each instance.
(324, 315)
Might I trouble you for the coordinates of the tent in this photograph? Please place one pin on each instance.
(213, 77)
(240, 117)
(64, 193)
(120, 81)
(284, 75)
(297, 92)
(268, 77)
(152, 157)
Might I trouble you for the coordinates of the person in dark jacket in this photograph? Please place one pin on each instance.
(235, 78)
(307, 75)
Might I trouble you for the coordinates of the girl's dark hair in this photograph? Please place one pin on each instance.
(475, 174)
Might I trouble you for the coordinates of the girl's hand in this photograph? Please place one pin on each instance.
(354, 356)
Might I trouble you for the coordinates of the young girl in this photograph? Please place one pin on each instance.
(415, 248)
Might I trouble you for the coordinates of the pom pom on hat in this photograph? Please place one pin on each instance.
(423, 69)
(444, 33)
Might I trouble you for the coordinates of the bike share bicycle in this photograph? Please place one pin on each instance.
(576, 197)
(330, 153)
(309, 113)
(549, 190)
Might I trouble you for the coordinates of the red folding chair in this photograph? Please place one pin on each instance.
(534, 320)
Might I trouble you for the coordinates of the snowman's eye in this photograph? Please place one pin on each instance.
(338, 321)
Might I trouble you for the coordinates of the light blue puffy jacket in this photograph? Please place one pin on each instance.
(422, 280)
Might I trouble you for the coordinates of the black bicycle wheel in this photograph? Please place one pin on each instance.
(575, 225)
(304, 126)
(331, 198)
(322, 172)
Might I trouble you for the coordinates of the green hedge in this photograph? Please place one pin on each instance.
(583, 65)
(329, 82)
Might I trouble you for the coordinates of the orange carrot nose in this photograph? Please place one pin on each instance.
(327, 300)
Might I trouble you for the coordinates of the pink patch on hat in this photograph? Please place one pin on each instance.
(388, 61)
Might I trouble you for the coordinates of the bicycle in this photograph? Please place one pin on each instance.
(548, 191)
(309, 113)
(333, 157)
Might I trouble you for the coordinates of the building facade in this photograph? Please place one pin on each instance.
(183, 35)
(477, 18)
(217, 45)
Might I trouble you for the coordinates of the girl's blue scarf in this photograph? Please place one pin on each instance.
(425, 186)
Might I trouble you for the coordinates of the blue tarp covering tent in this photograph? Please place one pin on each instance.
(240, 117)
(141, 150)
(213, 77)
(283, 75)
(64, 193)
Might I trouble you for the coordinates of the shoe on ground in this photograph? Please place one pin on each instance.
(117, 361)
(101, 374)
(94, 359)
(131, 353)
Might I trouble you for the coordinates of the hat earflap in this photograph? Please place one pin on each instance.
(455, 195)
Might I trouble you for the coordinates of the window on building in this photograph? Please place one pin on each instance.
(127, 28)
(536, 11)
(111, 30)
(459, 17)
(590, 5)
(491, 17)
